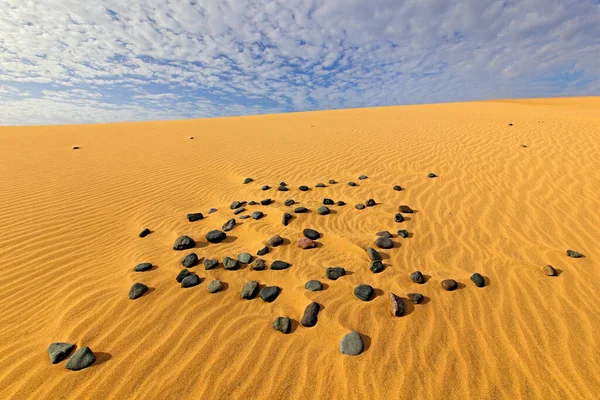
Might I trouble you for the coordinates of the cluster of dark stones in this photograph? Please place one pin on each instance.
(82, 358)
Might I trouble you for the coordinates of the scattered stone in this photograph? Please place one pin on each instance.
(266, 187)
(184, 243)
(184, 273)
(510, 124)
(75, 147)
(212, 210)
(334, 273)
(145, 232)
(384, 243)
(239, 210)
(259, 265)
(373, 254)
(253, 203)
(362, 177)
(282, 189)
(214, 286)
(328, 202)
(478, 280)
(143, 267)
(210, 264)
(227, 226)
(230, 264)
(403, 233)
(352, 183)
(137, 290)
(311, 234)
(385, 234)
(431, 175)
(275, 241)
(59, 351)
(263, 251)
(364, 292)
(289, 202)
(245, 258)
(351, 344)
(449, 284)
(249, 290)
(191, 138)
(396, 305)
(244, 217)
(405, 209)
(417, 277)
(247, 180)
(313, 285)
(332, 182)
(81, 359)
(306, 243)
(398, 217)
(282, 324)
(215, 236)
(257, 214)
(549, 270)
(190, 281)
(360, 206)
(193, 217)
(235, 204)
(311, 315)
(376, 266)
(320, 185)
(303, 188)
(300, 210)
(269, 293)
(574, 254)
(341, 203)
(265, 202)
(282, 184)
(524, 146)
(416, 298)
(323, 210)
(190, 260)
(397, 188)
(286, 219)
(279, 265)
(371, 203)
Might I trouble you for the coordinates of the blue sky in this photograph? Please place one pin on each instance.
(64, 61)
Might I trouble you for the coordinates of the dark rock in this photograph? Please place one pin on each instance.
(143, 267)
(334, 273)
(287, 217)
(417, 277)
(306, 243)
(549, 270)
(245, 258)
(75, 147)
(59, 351)
(257, 214)
(265, 202)
(184, 243)
(323, 210)
(384, 243)
(351, 344)
(190, 260)
(282, 324)
(385, 234)
(303, 188)
(215, 236)
(478, 280)
(184, 273)
(300, 210)
(212, 210)
(370, 203)
(210, 264)
(332, 182)
(574, 254)
(362, 177)
(249, 290)
(230, 264)
(352, 183)
(214, 286)
(398, 217)
(227, 226)
(289, 202)
(403, 233)
(279, 265)
(137, 290)
(275, 241)
(269, 293)
(313, 286)
(328, 202)
(364, 292)
(145, 232)
(416, 298)
(191, 138)
(510, 124)
(373, 254)
(524, 146)
(239, 210)
(247, 180)
(193, 217)
(81, 359)
(253, 203)
(190, 281)
(244, 217)
(235, 204)
(341, 203)
(405, 209)
(266, 187)
(311, 234)
(282, 184)
(376, 266)
(320, 185)
(396, 305)
(282, 188)
(397, 188)
(431, 175)
(360, 206)
(311, 315)
(259, 265)
(263, 251)
(449, 284)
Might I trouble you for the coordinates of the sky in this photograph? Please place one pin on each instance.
(64, 61)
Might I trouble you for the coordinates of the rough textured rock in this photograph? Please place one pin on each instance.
(351, 183)
(269, 293)
(216, 236)
(214, 286)
(247, 181)
(396, 305)
(143, 267)
(303, 188)
(417, 277)
(184, 273)
(287, 217)
(360, 206)
(239, 211)
(306, 243)
(81, 359)
(431, 175)
(384, 243)
(275, 241)
(230, 264)
(227, 226)
(311, 234)
(328, 202)
(279, 265)
(549, 270)
(323, 210)
(300, 210)
(265, 202)
(311, 315)
(249, 290)
(371, 203)
(193, 217)
(266, 187)
(190, 281)
(289, 202)
(59, 351)
(449, 284)
(376, 266)
(405, 209)
(137, 290)
(373, 254)
(478, 280)
(257, 214)
(334, 273)
(351, 344)
(263, 251)
(403, 233)
(184, 243)
(145, 232)
(282, 324)
(385, 234)
(574, 254)
(259, 265)
(245, 258)
(416, 298)
(397, 188)
(190, 260)
(313, 286)
(398, 217)
(364, 292)
(210, 264)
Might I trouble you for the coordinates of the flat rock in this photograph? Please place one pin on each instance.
(384, 243)
(190, 260)
(230, 264)
(236, 204)
(282, 188)
(334, 273)
(245, 258)
(143, 267)
(549, 270)
(227, 226)
(145, 232)
(58, 351)
(417, 277)
(253, 203)
(300, 210)
(210, 264)
(239, 211)
(313, 285)
(320, 185)
(275, 241)
(385, 234)
(351, 344)
(266, 187)
(416, 298)
(364, 292)
(405, 209)
(289, 202)
(249, 290)
(373, 254)
(362, 177)
(371, 203)
(323, 210)
(360, 206)
(396, 305)
(215, 236)
(311, 315)
(403, 233)
(193, 217)
(184, 243)
(247, 181)
(184, 273)
(287, 217)
(376, 266)
(265, 202)
(303, 188)
(397, 188)
(574, 254)
(190, 281)
(212, 210)
(137, 290)
(259, 265)
(449, 284)
(257, 214)
(351, 183)
(81, 359)
(332, 182)
(214, 286)
(431, 175)
(306, 243)
(282, 324)
(328, 202)
(263, 251)
(311, 234)
(341, 203)
(244, 216)
(478, 280)
(269, 293)
(279, 265)
(398, 217)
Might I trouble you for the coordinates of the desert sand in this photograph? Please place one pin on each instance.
(69, 241)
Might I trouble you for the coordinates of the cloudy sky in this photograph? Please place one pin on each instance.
(72, 61)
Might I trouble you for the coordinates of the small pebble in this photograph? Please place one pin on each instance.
(323, 210)
(143, 267)
(360, 206)
(449, 284)
(311, 234)
(210, 264)
(257, 215)
(478, 280)
(352, 183)
(313, 286)
(405, 209)
(137, 290)
(397, 188)
(416, 298)
(247, 180)
(549, 270)
(184, 273)
(398, 217)
(371, 203)
(289, 202)
(303, 188)
(417, 277)
(287, 217)
(263, 251)
(311, 315)
(403, 233)
(431, 175)
(259, 265)
(364, 292)
(396, 305)
(574, 254)
(190, 281)
(362, 177)
(275, 241)
(300, 210)
(334, 273)
(351, 344)
(145, 232)
(279, 265)
(214, 286)
(230, 264)
(282, 324)
(265, 202)
(266, 187)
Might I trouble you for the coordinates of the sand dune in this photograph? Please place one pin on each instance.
(69, 242)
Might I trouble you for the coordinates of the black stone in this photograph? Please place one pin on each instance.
(210, 264)
(417, 277)
(190, 260)
(269, 293)
(263, 251)
(416, 298)
(239, 210)
(376, 266)
(184, 243)
(247, 180)
(143, 267)
(266, 202)
(478, 280)
(406, 209)
(403, 233)
(244, 217)
(236, 204)
(245, 258)
(311, 315)
(59, 351)
(328, 202)
(373, 254)
(313, 286)
(320, 185)
(397, 188)
(384, 243)
(282, 184)
(230, 264)
(341, 203)
(574, 254)
(190, 281)
(300, 210)
(216, 236)
(352, 183)
(334, 273)
(137, 290)
(385, 234)
(259, 265)
(253, 203)
(212, 210)
(266, 187)
(282, 188)
(287, 217)
(364, 292)
(184, 273)
(81, 359)
(282, 324)
(431, 175)
(275, 241)
(257, 214)
(323, 210)
(227, 226)
(398, 217)
(289, 202)
(249, 290)
(371, 203)
(362, 177)
(303, 188)
(332, 182)
(145, 232)
(193, 217)
(311, 234)
(360, 206)
(279, 265)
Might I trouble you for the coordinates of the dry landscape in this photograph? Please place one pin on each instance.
(517, 186)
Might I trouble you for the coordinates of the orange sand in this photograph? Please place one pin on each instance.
(69, 241)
